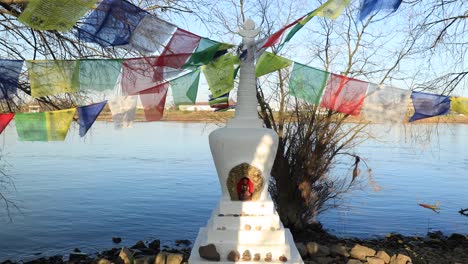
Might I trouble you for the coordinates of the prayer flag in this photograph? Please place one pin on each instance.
(297, 27)
(153, 101)
(385, 104)
(331, 9)
(269, 62)
(459, 105)
(151, 35)
(5, 120)
(140, 74)
(344, 94)
(275, 38)
(44, 126)
(206, 51)
(220, 102)
(185, 88)
(220, 74)
(111, 23)
(370, 7)
(428, 105)
(53, 77)
(58, 15)
(179, 49)
(123, 110)
(87, 116)
(99, 75)
(10, 71)
(307, 83)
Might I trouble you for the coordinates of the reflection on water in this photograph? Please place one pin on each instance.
(157, 180)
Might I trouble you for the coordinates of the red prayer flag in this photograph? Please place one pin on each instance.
(179, 49)
(344, 94)
(153, 101)
(140, 74)
(275, 38)
(5, 120)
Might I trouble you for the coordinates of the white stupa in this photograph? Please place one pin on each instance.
(245, 225)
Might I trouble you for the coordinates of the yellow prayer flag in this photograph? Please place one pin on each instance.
(58, 123)
(459, 105)
(331, 9)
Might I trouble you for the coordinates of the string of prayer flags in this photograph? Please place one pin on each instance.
(459, 105)
(179, 49)
(111, 23)
(5, 120)
(153, 101)
(58, 15)
(331, 9)
(185, 88)
(151, 35)
(385, 104)
(307, 83)
(87, 116)
(370, 7)
(269, 62)
(220, 74)
(44, 126)
(53, 77)
(99, 75)
(301, 23)
(140, 74)
(344, 94)
(206, 51)
(220, 102)
(276, 37)
(428, 105)
(123, 110)
(10, 71)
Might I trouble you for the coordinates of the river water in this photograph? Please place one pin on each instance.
(158, 181)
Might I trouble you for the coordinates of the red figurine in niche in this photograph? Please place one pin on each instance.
(245, 189)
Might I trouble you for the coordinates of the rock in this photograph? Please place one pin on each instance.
(302, 249)
(147, 251)
(103, 261)
(312, 248)
(436, 234)
(173, 258)
(457, 237)
(184, 242)
(257, 257)
(7, 262)
(77, 257)
(160, 258)
(323, 260)
(76, 250)
(155, 245)
(268, 257)
(353, 261)
(400, 259)
(361, 252)
(283, 258)
(383, 256)
(246, 256)
(374, 260)
(144, 260)
(126, 256)
(138, 245)
(209, 252)
(116, 240)
(233, 256)
(339, 250)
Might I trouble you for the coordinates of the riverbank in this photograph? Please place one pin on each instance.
(221, 117)
(315, 245)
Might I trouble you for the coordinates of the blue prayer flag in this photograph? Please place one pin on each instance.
(370, 7)
(10, 71)
(111, 23)
(428, 105)
(87, 115)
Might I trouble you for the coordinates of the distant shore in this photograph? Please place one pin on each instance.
(221, 117)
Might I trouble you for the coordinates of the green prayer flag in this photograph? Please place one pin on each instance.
(269, 62)
(99, 75)
(31, 126)
(58, 15)
(205, 52)
(296, 28)
(307, 83)
(220, 74)
(185, 88)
